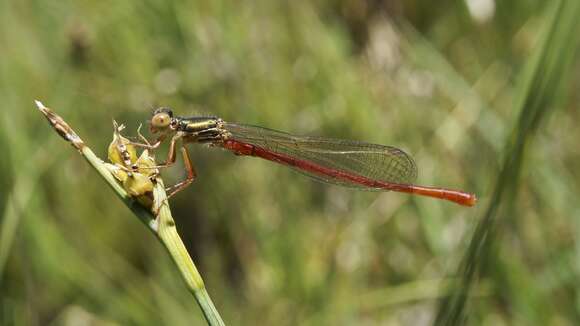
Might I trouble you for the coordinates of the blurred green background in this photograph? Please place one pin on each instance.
(446, 81)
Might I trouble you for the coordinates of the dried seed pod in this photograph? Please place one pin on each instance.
(137, 175)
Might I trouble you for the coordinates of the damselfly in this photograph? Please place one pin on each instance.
(340, 162)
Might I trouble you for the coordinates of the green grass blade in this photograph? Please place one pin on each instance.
(544, 77)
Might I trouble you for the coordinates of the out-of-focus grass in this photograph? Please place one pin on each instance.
(546, 73)
(276, 248)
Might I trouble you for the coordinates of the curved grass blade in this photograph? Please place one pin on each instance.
(544, 77)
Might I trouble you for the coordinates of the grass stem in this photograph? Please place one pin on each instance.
(162, 225)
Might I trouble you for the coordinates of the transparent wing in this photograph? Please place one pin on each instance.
(332, 159)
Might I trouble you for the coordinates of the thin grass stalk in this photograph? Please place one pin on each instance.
(162, 225)
(544, 77)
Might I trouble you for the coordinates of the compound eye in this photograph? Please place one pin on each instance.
(161, 120)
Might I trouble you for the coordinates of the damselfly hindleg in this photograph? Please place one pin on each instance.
(191, 175)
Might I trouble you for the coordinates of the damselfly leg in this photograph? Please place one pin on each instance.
(191, 175)
(171, 159)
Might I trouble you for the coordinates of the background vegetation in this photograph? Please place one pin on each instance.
(485, 98)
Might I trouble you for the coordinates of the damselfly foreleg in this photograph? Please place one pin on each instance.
(171, 154)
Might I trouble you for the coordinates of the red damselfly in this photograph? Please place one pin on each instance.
(340, 162)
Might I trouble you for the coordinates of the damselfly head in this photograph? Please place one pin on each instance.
(162, 120)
